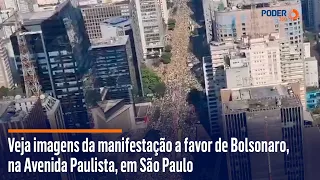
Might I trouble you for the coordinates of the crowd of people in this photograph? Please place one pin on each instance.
(175, 112)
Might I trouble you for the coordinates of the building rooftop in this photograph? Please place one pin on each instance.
(259, 98)
(102, 5)
(30, 18)
(34, 18)
(118, 21)
(111, 42)
(238, 5)
(245, 42)
(311, 59)
(9, 113)
(108, 104)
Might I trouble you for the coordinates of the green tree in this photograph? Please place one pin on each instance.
(149, 80)
(221, 7)
(171, 24)
(171, 21)
(168, 48)
(174, 11)
(4, 91)
(166, 61)
(92, 97)
(169, 4)
(166, 57)
(160, 89)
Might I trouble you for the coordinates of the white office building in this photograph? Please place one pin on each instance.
(311, 72)
(164, 10)
(249, 62)
(148, 27)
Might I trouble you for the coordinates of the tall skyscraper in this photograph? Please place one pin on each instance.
(265, 113)
(316, 10)
(59, 48)
(148, 27)
(249, 62)
(308, 13)
(124, 24)
(233, 20)
(113, 66)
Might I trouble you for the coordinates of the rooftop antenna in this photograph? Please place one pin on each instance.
(31, 82)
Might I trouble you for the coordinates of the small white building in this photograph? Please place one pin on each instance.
(307, 48)
(311, 72)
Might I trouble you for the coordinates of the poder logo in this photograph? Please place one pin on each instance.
(284, 15)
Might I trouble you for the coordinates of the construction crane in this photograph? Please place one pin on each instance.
(31, 82)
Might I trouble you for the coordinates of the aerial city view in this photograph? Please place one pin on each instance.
(206, 70)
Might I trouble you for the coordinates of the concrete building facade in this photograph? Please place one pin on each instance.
(264, 113)
(148, 26)
(14, 117)
(316, 10)
(95, 14)
(249, 62)
(117, 114)
(233, 20)
(164, 10)
(311, 72)
(54, 119)
(237, 20)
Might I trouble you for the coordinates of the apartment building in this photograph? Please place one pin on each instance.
(264, 113)
(94, 14)
(237, 20)
(209, 9)
(249, 62)
(47, 2)
(148, 27)
(164, 10)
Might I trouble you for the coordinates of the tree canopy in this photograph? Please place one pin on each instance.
(168, 48)
(92, 97)
(10, 92)
(166, 57)
(171, 24)
(152, 83)
(160, 89)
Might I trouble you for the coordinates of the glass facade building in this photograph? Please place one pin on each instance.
(59, 47)
(313, 99)
(113, 66)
